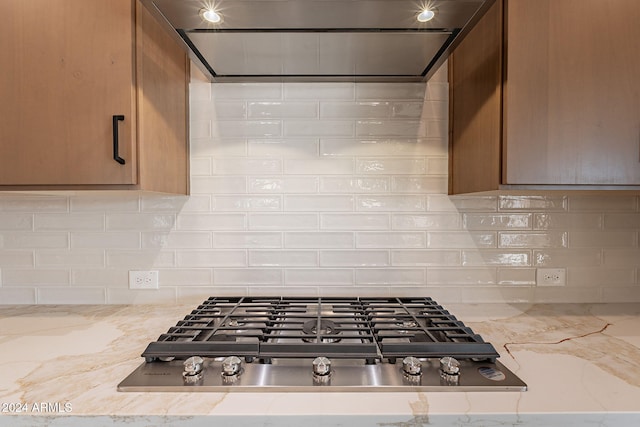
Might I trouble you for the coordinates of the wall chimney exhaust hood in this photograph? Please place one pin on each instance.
(319, 40)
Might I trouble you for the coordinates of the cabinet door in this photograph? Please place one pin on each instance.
(67, 69)
(572, 92)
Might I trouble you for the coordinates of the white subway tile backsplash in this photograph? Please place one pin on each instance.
(393, 239)
(391, 277)
(268, 221)
(282, 185)
(279, 109)
(16, 222)
(247, 239)
(246, 277)
(317, 240)
(344, 221)
(283, 258)
(319, 203)
(354, 258)
(307, 189)
(318, 276)
(291, 147)
(338, 184)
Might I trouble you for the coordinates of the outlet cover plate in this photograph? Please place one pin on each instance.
(143, 279)
(551, 277)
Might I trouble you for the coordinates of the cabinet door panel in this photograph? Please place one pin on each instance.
(572, 98)
(67, 68)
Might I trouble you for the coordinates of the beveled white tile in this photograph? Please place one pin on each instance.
(283, 258)
(314, 240)
(461, 276)
(621, 257)
(134, 296)
(193, 295)
(35, 277)
(200, 166)
(280, 109)
(498, 294)
(246, 166)
(221, 221)
(359, 221)
(16, 222)
(69, 221)
(395, 128)
(343, 91)
(493, 257)
(444, 221)
(211, 258)
(621, 294)
(406, 203)
(245, 129)
(603, 239)
(517, 276)
(76, 258)
(391, 146)
(17, 295)
(319, 203)
(248, 276)
(68, 295)
(409, 110)
(607, 203)
(601, 277)
(107, 277)
(138, 259)
(475, 221)
(30, 204)
(209, 147)
(218, 110)
(17, 258)
(391, 276)
(338, 184)
(383, 240)
(247, 203)
(565, 294)
(567, 221)
(437, 166)
(421, 184)
(309, 128)
(318, 276)
(284, 147)
(441, 203)
(139, 222)
(177, 240)
(438, 258)
(460, 239)
(532, 240)
(342, 110)
(318, 166)
(622, 221)
(565, 258)
(354, 258)
(437, 91)
(112, 240)
(546, 203)
(309, 291)
(33, 240)
(284, 221)
(391, 165)
(183, 277)
(247, 239)
(218, 185)
(282, 185)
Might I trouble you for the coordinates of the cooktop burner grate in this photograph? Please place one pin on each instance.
(349, 328)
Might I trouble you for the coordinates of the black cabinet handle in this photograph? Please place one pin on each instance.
(116, 156)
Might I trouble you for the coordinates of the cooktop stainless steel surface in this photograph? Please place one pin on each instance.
(320, 344)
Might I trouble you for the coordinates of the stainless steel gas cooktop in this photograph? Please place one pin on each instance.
(320, 344)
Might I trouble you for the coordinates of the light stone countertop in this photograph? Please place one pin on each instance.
(60, 365)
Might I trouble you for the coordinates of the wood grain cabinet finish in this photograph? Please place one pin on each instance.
(70, 66)
(545, 94)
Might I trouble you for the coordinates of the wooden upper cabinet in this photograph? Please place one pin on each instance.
(562, 79)
(70, 66)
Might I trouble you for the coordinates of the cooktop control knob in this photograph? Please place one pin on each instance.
(449, 366)
(231, 366)
(193, 367)
(321, 366)
(412, 366)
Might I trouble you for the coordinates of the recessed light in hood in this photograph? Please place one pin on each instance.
(210, 15)
(320, 40)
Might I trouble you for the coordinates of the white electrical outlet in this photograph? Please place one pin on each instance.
(143, 279)
(551, 277)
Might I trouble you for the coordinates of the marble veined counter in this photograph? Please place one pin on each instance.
(60, 365)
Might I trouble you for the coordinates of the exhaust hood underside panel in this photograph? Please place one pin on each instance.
(309, 54)
(319, 40)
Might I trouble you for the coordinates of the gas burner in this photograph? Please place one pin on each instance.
(327, 327)
(234, 323)
(405, 326)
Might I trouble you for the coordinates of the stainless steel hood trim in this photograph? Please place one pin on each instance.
(457, 34)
